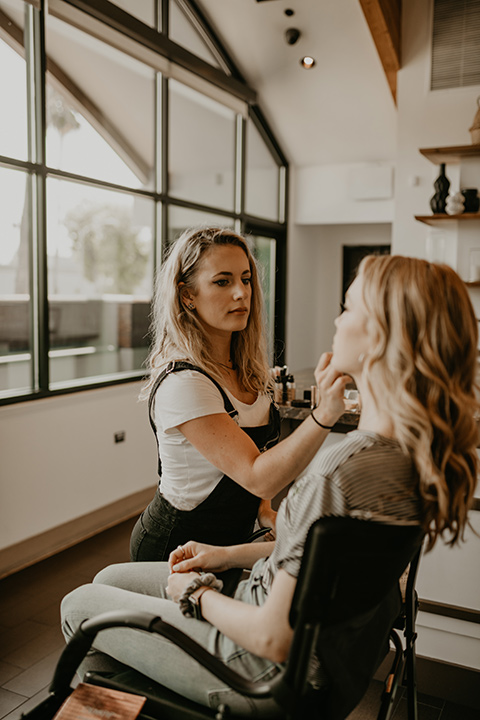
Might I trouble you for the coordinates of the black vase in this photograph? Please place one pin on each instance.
(472, 201)
(441, 185)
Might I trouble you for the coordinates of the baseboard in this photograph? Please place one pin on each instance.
(454, 683)
(25, 553)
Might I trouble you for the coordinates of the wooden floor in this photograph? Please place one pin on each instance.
(31, 640)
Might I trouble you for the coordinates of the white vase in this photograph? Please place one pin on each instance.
(455, 204)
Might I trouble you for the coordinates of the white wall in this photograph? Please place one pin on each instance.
(59, 460)
(314, 289)
(425, 119)
(345, 193)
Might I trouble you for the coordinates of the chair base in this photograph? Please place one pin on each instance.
(402, 673)
(161, 701)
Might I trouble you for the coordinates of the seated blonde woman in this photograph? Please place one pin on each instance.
(408, 337)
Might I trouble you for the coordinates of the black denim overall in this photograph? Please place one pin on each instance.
(226, 517)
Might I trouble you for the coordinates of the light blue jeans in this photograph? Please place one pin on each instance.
(141, 586)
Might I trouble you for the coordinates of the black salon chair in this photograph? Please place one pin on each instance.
(403, 668)
(345, 603)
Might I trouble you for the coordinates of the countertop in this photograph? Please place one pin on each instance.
(304, 379)
(348, 419)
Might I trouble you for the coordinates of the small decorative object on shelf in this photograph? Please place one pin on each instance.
(441, 185)
(472, 201)
(475, 129)
(474, 274)
(455, 204)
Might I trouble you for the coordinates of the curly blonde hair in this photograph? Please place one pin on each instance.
(177, 333)
(425, 365)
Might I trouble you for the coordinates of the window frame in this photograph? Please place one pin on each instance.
(228, 81)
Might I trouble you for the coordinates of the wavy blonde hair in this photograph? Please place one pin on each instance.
(177, 333)
(425, 363)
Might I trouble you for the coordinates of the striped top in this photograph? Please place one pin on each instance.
(365, 475)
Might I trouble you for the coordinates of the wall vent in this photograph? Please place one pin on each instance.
(456, 44)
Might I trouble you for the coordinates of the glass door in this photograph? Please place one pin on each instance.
(269, 250)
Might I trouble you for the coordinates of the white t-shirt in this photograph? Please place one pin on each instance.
(187, 477)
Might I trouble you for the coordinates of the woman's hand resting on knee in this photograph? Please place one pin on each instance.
(195, 556)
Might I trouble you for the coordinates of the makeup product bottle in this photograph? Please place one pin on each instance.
(278, 390)
(290, 389)
(283, 379)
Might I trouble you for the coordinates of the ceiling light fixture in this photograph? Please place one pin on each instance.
(292, 35)
(308, 62)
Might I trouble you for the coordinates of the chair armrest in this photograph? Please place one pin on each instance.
(83, 639)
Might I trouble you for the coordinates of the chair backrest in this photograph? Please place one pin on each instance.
(344, 605)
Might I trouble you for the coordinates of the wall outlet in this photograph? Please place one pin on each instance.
(119, 436)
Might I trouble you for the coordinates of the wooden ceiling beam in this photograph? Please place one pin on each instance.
(384, 19)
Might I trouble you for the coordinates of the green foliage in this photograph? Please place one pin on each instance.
(114, 255)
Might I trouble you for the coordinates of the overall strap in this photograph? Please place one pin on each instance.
(178, 366)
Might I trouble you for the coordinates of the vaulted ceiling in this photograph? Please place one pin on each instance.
(343, 109)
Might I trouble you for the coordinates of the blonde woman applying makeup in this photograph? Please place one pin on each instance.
(210, 402)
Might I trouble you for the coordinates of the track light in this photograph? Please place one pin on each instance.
(292, 35)
(307, 62)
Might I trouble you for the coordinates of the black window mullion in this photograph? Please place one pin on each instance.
(41, 202)
(165, 159)
(35, 59)
(164, 16)
(243, 166)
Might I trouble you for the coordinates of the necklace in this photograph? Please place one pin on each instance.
(227, 367)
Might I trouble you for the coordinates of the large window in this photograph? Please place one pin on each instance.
(183, 33)
(201, 149)
(100, 109)
(100, 271)
(265, 253)
(15, 276)
(182, 218)
(263, 177)
(107, 153)
(13, 85)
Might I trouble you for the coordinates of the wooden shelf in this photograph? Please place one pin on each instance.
(451, 155)
(444, 218)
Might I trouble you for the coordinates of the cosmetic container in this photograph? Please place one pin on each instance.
(278, 390)
(290, 389)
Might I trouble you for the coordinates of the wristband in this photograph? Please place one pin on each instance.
(194, 600)
(325, 427)
(191, 607)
